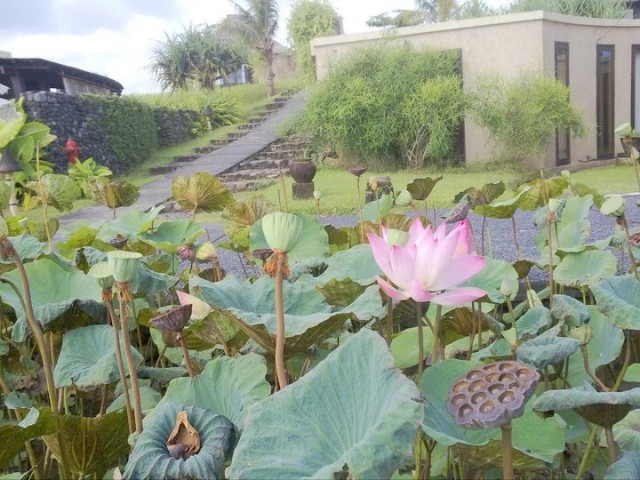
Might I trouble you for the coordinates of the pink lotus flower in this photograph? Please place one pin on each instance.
(429, 265)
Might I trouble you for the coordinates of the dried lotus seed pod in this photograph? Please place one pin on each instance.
(174, 319)
(492, 395)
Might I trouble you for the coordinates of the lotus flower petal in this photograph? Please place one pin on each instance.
(199, 310)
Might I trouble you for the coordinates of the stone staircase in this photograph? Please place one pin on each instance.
(182, 160)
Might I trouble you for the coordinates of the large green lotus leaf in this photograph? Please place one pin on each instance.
(54, 292)
(170, 235)
(11, 125)
(341, 292)
(502, 209)
(498, 350)
(150, 457)
(547, 350)
(376, 210)
(149, 398)
(313, 241)
(88, 358)
(626, 466)
(12, 437)
(201, 192)
(633, 373)
(603, 348)
(90, 445)
(404, 347)
(619, 299)
(226, 386)
(585, 268)
(28, 247)
(491, 279)
(356, 263)
(219, 323)
(533, 322)
(570, 232)
(421, 188)
(627, 432)
(570, 311)
(540, 190)
(130, 224)
(353, 412)
(342, 238)
(57, 190)
(440, 425)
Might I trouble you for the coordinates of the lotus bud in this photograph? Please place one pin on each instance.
(207, 251)
(281, 230)
(119, 241)
(186, 253)
(505, 288)
(317, 194)
(102, 272)
(556, 207)
(404, 198)
(582, 334)
(397, 237)
(613, 206)
(123, 264)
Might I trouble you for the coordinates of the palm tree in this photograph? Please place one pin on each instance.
(257, 25)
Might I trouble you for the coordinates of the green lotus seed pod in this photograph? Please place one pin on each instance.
(281, 230)
(404, 198)
(613, 206)
(397, 237)
(102, 272)
(505, 288)
(317, 194)
(207, 251)
(123, 264)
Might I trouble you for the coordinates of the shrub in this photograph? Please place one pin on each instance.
(522, 113)
(129, 125)
(356, 108)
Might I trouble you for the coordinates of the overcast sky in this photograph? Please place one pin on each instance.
(114, 37)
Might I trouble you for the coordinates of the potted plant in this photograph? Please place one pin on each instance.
(628, 138)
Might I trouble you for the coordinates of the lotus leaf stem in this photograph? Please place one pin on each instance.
(627, 361)
(587, 368)
(281, 372)
(123, 295)
(420, 342)
(507, 452)
(107, 296)
(34, 325)
(417, 452)
(586, 454)
(632, 258)
(389, 328)
(360, 209)
(611, 444)
(42, 197)
(185, 354)
(550, 261)
(515, 237)
(435, 352)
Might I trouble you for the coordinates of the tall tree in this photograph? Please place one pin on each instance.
(256, 25)
(580, 8)
(310, 19)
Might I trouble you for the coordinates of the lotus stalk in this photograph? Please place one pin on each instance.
(358, 171)
(43, 198)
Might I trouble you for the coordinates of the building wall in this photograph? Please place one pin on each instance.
(507, 45)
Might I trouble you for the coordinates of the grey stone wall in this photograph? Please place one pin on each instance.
(70, 116)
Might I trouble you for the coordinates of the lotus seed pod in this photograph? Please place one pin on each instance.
(123, 264)
(505, 288)
(582, 334)
(404, 198)
(281, 230)
(613, 206)
(173, 319)
(102, 272)
(492, 395)
(397, 237)
(317, 194)
(207, 251)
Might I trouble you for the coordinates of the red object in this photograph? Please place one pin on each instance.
(72, 151)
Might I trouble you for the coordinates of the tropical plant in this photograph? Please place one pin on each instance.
(581, 8)
(310, 19)
(84, 174)
(256, 23)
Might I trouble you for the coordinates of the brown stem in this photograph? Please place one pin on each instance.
(389, 329)
(587, 368)
(360, 209)
(632, 258)
(550, 263)
(435, 353)
(123, 294)
(420, 341)
(627, 361)
(36, 329)
(611, 444)
(515, 237)
(185, 354)
(507, 452)
(107, 297)
(281, 371)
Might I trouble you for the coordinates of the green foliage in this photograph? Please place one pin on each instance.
(310, 19)
(85, 173)
(581, 8)
(522, 113)
(129, 125)
(356, 107)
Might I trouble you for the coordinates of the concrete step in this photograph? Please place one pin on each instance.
(246, 174)
(256, 163)
(247, 185)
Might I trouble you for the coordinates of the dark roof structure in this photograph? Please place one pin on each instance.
(36, 74)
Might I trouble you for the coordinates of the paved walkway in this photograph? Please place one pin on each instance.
(159, 191)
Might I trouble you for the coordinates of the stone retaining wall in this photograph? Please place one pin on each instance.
(71, 116)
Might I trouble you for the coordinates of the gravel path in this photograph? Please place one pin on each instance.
(501, 232)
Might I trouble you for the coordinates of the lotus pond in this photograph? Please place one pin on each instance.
(397, 348)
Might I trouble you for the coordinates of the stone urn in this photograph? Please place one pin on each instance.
(302, 171)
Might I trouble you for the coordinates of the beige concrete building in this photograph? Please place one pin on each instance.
(598, 59)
